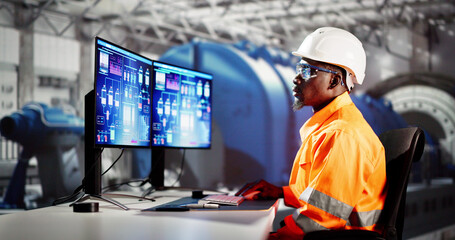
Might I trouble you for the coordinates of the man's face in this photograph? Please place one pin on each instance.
(313, 90)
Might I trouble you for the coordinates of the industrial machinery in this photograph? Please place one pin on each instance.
(426, 100)
(50, 135)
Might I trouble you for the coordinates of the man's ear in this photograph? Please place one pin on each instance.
(334, 81)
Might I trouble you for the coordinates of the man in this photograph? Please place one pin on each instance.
(338, 176)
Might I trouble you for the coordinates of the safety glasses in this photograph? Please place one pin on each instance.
(308, 71)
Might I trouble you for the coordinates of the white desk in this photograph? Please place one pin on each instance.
(113, 223)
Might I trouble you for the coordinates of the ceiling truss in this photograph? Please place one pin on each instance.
(270, 22)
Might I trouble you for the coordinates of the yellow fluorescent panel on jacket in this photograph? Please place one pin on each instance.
(338, 177)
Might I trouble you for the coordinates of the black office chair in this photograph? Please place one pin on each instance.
(402, 147)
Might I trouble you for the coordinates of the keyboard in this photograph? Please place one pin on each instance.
(223, 199)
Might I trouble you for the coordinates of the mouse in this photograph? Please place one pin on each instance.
(250, 195)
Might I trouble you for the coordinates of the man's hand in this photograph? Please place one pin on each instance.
(261, 190)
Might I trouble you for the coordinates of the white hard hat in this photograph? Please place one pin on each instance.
(338, 47)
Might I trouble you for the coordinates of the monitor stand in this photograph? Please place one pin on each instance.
(156, 175)
(92, 179)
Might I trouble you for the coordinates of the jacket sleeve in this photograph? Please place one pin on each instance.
(338, 174)
(290, 198)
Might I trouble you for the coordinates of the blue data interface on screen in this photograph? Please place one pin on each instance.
(181, 109)
(123, 97)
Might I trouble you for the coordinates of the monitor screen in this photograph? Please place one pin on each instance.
(181, 107)
(122, 96)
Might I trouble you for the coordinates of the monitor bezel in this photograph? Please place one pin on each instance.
(211, 105)
(98, 145)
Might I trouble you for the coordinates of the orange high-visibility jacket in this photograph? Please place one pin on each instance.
(339, 175)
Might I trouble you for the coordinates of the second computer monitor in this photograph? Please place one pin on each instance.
(181, 107)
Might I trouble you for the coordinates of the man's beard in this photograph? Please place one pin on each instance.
(297, 105)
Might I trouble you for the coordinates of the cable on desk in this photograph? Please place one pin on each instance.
(117, 185)
(129, 196)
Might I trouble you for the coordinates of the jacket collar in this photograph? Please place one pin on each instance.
(322, 115)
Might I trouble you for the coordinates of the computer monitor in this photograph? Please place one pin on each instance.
(117, 110)
(181, 107)
(122, 97)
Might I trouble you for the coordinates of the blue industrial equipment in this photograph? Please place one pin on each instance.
(378, 113)
(426, 99)
(50, 135)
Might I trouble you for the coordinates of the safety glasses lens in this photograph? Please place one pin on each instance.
(306, 71)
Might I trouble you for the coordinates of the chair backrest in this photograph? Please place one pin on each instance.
(402, 147)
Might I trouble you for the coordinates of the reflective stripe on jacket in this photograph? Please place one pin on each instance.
(338, 177)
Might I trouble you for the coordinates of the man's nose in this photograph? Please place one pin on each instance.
(297, 79)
